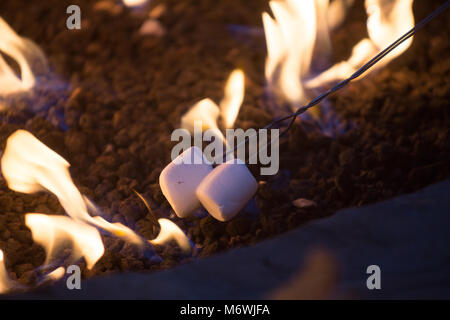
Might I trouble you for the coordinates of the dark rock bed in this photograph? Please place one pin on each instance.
(114, 98)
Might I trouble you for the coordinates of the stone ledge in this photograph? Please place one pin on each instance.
(407, 236)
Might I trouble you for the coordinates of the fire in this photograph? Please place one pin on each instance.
(387, 20)
(170, 231)
(56, 274)
(30, 166)
(26, 53)
(337, 12)
(301, 28)
(5, 281)
(290, 39)
(134, 3)
(117, 229)
(205, 111)
(52, 232)
(234, 96)
(208, 112)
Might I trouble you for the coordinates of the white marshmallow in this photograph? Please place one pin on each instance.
(180, 179)
(227, 189)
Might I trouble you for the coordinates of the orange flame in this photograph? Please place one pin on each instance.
(290, 39)
(300, 27)
(387, 20)
(337, 12)
(26, 53)
(30, 166)
(134, 3)
(207, 111)
(170, 231)
(53, 231)
(56, 274)
(234, 96)
(5, 282)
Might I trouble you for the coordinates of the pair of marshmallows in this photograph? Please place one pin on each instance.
(189, 181)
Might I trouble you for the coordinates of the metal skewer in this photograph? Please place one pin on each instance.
(293, 116)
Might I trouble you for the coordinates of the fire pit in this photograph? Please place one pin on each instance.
(96, 97)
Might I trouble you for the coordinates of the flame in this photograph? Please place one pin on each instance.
(208, 112)
(337, 11)
(26, 53)
(29, 166)
(387, 20)
(203, 115)
(322, 46)
(170, 231)
(301, 28)
(5, 281)
(53, 231)
(290, 39)
(117, 229)
(234, 96)
(134, 3)
(205, 111)
(56, 274)
(360, 54)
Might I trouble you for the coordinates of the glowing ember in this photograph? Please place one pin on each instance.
(26, 53)
(30, 166)
(171, 232)
(52, 232)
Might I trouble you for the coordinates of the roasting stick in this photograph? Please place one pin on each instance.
(293, 116)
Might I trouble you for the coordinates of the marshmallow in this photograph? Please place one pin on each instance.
(180, 179)
(227, 189)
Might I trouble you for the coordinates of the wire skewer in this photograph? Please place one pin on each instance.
(293, 116)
